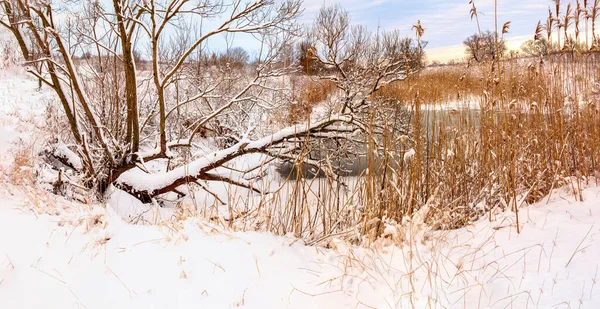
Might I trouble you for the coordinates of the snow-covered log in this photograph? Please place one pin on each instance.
(147, 186)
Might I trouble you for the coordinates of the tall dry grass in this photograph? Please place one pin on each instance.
(527, 130)
(443, 85)
(307, 93)
(479, 138)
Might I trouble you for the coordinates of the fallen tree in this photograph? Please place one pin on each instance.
(153, 185)
(121, 117)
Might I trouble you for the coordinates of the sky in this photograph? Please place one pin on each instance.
(447, 22)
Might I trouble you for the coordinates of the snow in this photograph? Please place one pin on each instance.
(142, 181)
(70, 256)
(409, 155)
(56, 253)
(63, 151)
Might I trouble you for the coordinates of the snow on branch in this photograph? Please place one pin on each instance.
(147, 186)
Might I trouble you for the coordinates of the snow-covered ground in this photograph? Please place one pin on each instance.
(61, 254)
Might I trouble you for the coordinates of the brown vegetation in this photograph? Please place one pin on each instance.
(308, 94)
(446, 146)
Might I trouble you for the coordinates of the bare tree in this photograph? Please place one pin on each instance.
(111, 32)
(536, 48)
(237, 57)
(483, 47)
(362, 62)
(121, 118)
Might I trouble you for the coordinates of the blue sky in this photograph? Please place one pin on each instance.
(447, 22)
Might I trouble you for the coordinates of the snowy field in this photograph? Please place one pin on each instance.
(61, 254)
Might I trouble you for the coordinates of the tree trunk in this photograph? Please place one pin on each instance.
(133, 126)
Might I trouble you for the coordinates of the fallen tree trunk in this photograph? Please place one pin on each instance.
(146, 186)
